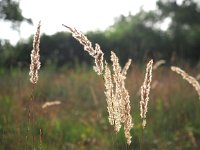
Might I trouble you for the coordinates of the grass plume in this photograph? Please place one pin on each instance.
(117, 96)
(188, 78)
(145, 90)
(35, 57)
(96, 52)
(158, 64)
(47, 104)
(34, 68)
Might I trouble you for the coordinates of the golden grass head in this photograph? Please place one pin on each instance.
(109, 94)
(145, 90)
(35, 57)
(158, 64)
(96, 52)
(119, 100)
(117, 96)
(126, 67)
(98, 60)
(188, 78)
(47, 104)
(112, 101)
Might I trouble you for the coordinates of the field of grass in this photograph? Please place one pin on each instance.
(81, 120)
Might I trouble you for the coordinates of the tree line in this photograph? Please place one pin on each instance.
(136, 36)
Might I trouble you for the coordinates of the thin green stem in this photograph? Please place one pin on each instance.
(30, 118)
(142, 139)
(40, 139)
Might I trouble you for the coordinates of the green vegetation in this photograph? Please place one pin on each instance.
(10, 11)
(134, 36)
(80, 121)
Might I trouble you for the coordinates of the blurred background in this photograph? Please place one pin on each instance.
(166, 30)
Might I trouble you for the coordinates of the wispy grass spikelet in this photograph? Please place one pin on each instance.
(109, 94)
(145, 90)
(96, 52)
(188, 78)
(47, 104)
(35, 57)
(122, 98)
(117, 96)
(158, 64)
(117, 79)
(126, 67)
(126, 110)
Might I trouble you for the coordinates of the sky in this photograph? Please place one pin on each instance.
(85, 15)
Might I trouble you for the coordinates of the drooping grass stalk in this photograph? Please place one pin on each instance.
(47, 104)
(96, 52)
(117, 96)
(34, 68)
(188, 78)
(145, 90)
(158, 64)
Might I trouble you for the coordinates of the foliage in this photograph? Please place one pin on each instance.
(81, 121)
(184, 27)
(136, 36)
(10, 11)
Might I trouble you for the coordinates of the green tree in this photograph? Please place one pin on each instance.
(136, 37)
(184, 29)
(10, 11)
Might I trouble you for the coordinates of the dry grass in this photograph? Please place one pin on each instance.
(145, 90)
(96, 52)
(117, 95)
(158, 64)
(121, 97)
(188, 78)
(47, 104)
(167, 120)
(35, 57)
(34, 68)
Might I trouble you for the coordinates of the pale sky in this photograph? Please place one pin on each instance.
(85, 15)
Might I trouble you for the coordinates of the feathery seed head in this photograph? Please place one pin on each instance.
(145, 90)
(188, 78)
(35, 57)
(96, 53)
(117, 96)
(47, 104)
(109, 93)
(98, 60)
(122, 98)
(158, 64)
(126, 67)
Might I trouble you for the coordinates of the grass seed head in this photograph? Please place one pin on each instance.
(96, 53)
(188, 78)
(35, 57)
(145, 90)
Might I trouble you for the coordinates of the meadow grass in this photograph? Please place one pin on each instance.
(66, 109)
(82, 123)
